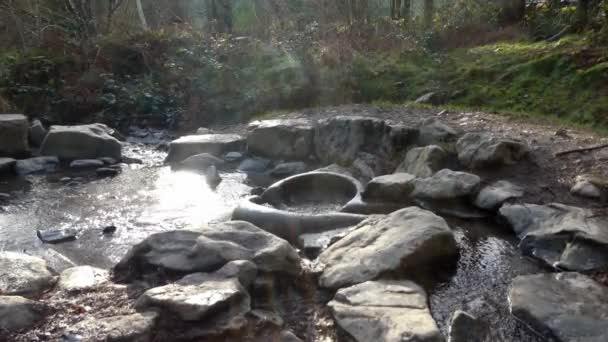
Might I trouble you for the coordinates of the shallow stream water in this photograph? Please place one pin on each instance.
(151, 198)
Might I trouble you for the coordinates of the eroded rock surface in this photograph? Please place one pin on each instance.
(281, 139)
(391, 188)
(423, 162)
(385, 311)
(215, 144)
(404, 240)
(569, 306)
(562, 236)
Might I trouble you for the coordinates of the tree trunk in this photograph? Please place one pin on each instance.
(142, 15)
(429, 12)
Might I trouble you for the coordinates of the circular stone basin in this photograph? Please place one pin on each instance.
(306, 203)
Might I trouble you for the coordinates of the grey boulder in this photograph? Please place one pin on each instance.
(81, 142)
(36, 165)
(7, 165)
(562, 236)
(477, 150)
(447, 185)
(86, 164)
(494, 195)
(207, 249)
(215, 144)
(199, 162)
(281, 139)
(404, 240)
(24, 275)
(423, 162)
(289, 169)
(81, 278)
(465, 327)
(390, 188)
(568, 306)
(138, 327)
(18, 313)
(434, 132)
(385, 311)
(13, 134)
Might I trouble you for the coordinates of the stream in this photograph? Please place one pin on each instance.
(151, 198)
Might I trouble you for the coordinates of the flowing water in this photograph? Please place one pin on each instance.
(151, 198)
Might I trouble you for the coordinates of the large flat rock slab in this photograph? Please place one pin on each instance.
(137, 327)
(281, 139)
(404, 240)
(13, 134)
(24, 275)
(215, 144)
(385, 311)
(208, 249)
(81, 142)
(562, 236)
(568, 306)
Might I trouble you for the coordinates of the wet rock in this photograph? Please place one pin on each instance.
(340, 139)
(390, 188)
(93, 141)
(200, 162)
(24, 275)
(108, 161)
(423, 162)
(385, 311)
(434, 132)
(14, 131)
(404, 240)
(586, 188)
(54, 236)
(197, 297)
(132, 160)
(86, 164)
(108, 230)
(265, 317)
(494, 195)
(312, 244)
(37, 133)
(82, 278)
(232, 157)
(4, 197)
(137, 327)
(568, 306)
(288, 336)
(465, 327)
(203, 131)
(107, 172)
(478, 150)
(212, 177)
(564, 237)
(446, 185)
(7, 165)
(257, 165)
(282, 139)
(36, 165)
(335, 168)
(18, 313)
(215, 144)
(208, 249)
(289, 169)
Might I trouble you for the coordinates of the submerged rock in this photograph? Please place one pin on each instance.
(57, 235)
(18, 313)
(564, 237)
(281, 139)
(567, 306)
(36, 165)
(207, 249)
(423, 162)
(390, 188)
(477, 150)
(14, 131)
(86, 163)
(82, 278)
(385, 311)
(81, 142)
(215, 144)
(494, 195)
(24, 275)
(137, 327)
(407, 239)
(200, 162)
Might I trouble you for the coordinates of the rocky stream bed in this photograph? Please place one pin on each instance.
(343, 224)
